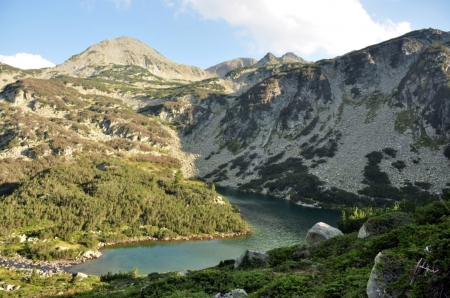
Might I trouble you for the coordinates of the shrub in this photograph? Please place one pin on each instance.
(399, 165)
(390, 151)
(447, 151)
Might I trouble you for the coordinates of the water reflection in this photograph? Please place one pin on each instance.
(274, 223)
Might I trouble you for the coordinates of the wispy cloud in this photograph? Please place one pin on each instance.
(26, 61)
(308, 27)
(121, 4)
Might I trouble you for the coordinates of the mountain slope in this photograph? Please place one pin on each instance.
(330, 117)
(223, 68)
(127, 51)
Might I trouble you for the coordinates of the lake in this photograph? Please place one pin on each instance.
(274, 223)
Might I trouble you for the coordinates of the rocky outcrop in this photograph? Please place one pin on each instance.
(236, 293)
(376, 285)
(320, 232)
(251, 258)
(90, 254)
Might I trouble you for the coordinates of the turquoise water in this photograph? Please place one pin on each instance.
(274, 223)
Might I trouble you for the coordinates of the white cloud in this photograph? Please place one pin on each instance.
(26, 61)
(307, 27)
(121, 4)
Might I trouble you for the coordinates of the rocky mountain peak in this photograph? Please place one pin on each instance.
(268, 59)
(221, 69)
(127, 51)
(291, 57)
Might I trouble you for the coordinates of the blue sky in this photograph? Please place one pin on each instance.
(206, 32)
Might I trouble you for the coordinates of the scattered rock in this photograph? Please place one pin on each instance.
(236, 293)
(90, 254)
(320, 232)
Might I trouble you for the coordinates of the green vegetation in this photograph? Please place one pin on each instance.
(116, 199)
(379, 185)
(338, 267)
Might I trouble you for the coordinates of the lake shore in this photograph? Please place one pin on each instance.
(63, 266)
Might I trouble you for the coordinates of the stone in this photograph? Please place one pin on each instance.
(236, 293)
(183, 273)
(23, 238)
(363, 232)
(8, 287)
(376, 286)
(251, 257)
(80, 275)
(90, 254)
(320, 232)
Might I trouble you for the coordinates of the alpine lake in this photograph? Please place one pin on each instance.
(274, 223)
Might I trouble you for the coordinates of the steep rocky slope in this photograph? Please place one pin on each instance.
(371, 124)
(330, 116)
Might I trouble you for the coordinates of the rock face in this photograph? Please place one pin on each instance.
(320, 232)
(250, 257)
(327, 117)
(376, 286)
(332, 115)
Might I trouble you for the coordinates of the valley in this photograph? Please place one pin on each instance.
(121, 144)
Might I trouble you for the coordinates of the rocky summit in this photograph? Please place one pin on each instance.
(370, 126)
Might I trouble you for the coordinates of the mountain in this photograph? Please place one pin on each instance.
(271, 59)
(221, 69)
(372, 124)
(127, 51)
(367, 127)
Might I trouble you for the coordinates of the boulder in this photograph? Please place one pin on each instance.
(90, 254)
(376, 285)
(320, 232)
(22, 238)
(8, 287)
(363, 233)
(236, 293)
(80, 275)
(251, 257)
(384, 223)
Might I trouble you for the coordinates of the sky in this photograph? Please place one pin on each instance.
(44, 33)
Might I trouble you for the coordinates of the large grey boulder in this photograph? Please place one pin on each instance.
(320, 232)
(251, 257)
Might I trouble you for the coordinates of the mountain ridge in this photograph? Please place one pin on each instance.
(326, 114)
